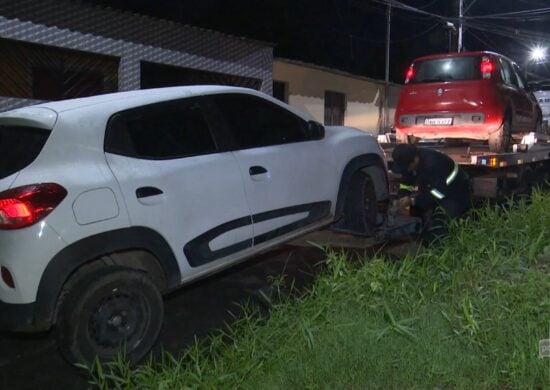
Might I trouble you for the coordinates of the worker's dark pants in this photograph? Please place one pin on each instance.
(435, 221)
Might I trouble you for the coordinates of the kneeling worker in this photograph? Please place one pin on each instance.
(442, 189)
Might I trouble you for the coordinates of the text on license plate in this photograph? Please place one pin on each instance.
(438, 121)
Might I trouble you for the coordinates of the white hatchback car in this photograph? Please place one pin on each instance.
(110, 201)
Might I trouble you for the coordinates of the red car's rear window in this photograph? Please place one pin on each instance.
(447, 69)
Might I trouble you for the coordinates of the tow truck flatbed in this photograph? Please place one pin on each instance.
(495, 175)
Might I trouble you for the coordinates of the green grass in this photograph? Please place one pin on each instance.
(468, 313)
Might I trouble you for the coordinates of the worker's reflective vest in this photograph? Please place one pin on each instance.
(435, 193)
(407, 187)
(438, 194)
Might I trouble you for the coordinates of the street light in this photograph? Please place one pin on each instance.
(451, 27)
(538, 54)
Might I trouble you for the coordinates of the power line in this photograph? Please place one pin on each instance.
(469, 6)
(486, 43)
(516, 14)
(475, 22)
(399, 5)
(417, 35)
(506, 31)
(537, 13)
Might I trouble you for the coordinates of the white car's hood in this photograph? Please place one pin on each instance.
(346, 131)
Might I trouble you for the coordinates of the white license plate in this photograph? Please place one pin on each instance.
(438, 121)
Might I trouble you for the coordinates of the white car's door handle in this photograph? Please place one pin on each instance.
(145, 192)
(258, 173)
(150, 195)
(256, 170)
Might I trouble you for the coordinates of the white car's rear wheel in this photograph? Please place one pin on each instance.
(106, 311)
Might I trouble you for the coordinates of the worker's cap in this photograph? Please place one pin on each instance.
(403, 155)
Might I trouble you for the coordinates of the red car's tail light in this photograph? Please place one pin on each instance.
(23, 206)
(486, 67)
(409, 75)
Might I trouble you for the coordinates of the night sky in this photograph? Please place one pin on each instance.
(350, 34)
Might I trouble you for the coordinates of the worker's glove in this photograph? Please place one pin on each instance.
(404, 205)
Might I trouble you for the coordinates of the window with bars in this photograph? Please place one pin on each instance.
(45, 73)
(280, 90)
(155, 75)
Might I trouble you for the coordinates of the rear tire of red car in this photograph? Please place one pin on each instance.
(538, 127)
(109, 310)
(499, 141)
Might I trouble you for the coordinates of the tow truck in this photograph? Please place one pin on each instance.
(494, 177)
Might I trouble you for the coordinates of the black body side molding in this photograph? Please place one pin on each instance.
(198, 251)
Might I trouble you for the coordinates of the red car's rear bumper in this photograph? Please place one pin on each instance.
(462, 126)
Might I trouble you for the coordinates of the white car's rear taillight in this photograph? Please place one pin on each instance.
(24, 206)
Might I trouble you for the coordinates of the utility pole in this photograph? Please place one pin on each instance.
(460, 28)
(385, 120)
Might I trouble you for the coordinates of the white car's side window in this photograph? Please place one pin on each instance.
(161, 131)
(255, 122)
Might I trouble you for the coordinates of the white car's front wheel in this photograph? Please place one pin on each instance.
(361, 209)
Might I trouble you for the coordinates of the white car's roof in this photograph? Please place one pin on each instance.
(45, 114)
(138, 97)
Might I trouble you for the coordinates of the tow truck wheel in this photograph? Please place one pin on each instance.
(542, 176)
(538, 127)
(499, 141)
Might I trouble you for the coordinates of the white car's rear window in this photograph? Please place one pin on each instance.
(19, 146)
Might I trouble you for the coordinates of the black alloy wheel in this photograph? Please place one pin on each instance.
(110, 310)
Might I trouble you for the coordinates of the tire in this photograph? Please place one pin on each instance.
(538, 127)
(542, 177)
(106, 310)
(499, 141)
(361, 210)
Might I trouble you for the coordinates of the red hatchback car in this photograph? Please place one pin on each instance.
(471, 95)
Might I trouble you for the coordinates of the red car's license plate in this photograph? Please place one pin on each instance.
(438, 121)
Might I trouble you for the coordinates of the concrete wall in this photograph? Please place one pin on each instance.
(131, 38)
(307, 84)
